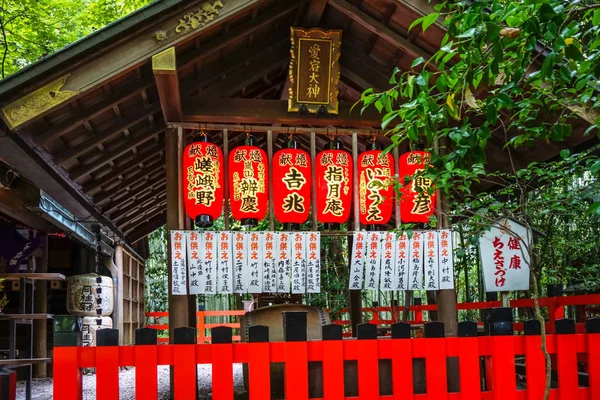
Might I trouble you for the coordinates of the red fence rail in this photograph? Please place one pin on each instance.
(156, 320)
(498, 351)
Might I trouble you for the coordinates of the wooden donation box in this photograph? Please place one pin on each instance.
(314, 70)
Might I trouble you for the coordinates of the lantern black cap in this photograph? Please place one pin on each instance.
(335, 144)
(249, 222)
(289, 226)
(331, 226)
(204, 221)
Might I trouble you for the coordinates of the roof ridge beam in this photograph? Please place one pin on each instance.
(133, 181)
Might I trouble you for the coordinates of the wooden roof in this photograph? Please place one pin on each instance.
(102, 147)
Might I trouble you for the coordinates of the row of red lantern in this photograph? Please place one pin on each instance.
(249, 176)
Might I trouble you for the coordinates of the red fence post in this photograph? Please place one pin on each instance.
(535, 362)
(184, 363)
(435, 361)
(296, 355)
(566, 359)
(593, 356)
(107, 364)
(468, 361)
(222, 363)
(504, 384)
(67, 375)
(402, 359)
(259, 366)
(333, 363)
(146, 364)
(368, 363)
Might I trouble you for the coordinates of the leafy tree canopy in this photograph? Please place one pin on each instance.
(33, 29)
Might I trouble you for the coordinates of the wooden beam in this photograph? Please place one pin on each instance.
(315, 13)
(135, 179)
(148, 211)
(144, 230)
(126, 198)
(363, 70)
(370, 23)
(164, 67)
(120, 124)
(252, 111)
(137, 206)
(14, 202)
(138, 161)
(125, 147)
(233, 62)
(125, 93)
(261, 65)
(238, 32)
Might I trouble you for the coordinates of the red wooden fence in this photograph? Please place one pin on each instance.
(158, 317)
(499, 352)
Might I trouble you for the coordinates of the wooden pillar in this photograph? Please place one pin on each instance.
(40, 325)
(355, 295)
(119, 300)
(446, 299)
(178, 305)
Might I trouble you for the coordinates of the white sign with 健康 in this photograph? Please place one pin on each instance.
(504, 256)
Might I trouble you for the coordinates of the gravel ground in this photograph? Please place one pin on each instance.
(42, 388)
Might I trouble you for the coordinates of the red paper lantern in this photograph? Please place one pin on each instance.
(248, 182)
(334, 186)
(376, 193)
(203, 182)
(291, 185)
(416, 204)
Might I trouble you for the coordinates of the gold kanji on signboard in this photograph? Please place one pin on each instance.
(314, 70)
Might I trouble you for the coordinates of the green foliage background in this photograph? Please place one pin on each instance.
(33, 29)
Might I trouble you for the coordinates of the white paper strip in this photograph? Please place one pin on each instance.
(225, 270)
(416, 262)
(431, 260)
(446, 259)
(178, 258)
(373, 261)
(240, 266)
(299, 262)
(194, 261)
(357, 263)
(313, 268)
(388, 252)
(402, 262)
(284, 263)
(269, 273)
(255, 271)
(209, 262)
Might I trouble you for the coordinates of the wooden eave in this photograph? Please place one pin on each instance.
(102, 148)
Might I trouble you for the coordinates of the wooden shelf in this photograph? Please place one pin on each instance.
(24, 361)
(26, 316)
(34, 276)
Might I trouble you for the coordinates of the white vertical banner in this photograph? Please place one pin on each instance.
(225, 266)
(402, 262)
(446, 259)
(313, 265)
(194, 261)
(178, 258)
(209, 261)
(416, 262)
(357, 263)
(255, 271)
(388, 252)
(240, 266)
(431, 260)
(299, 262)
(267, 245)
(373, 267)
(284, 263)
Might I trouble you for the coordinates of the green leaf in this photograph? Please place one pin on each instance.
(596, 17)
(551, 31)
(491, 113)
(565, 153)
(417, 61)
(548, 64)
(493, 29)
(429, 20)
(389, 117)
(415, 23)
(468, 34)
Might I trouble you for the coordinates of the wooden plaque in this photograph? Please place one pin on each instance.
(314, 69)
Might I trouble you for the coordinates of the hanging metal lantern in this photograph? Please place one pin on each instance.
(375, 189)
(248, 182)
(203, 181)
(291, 186)
(417, 202)
(334, 185)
